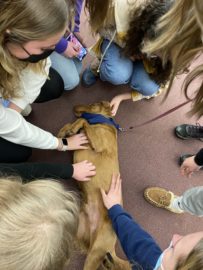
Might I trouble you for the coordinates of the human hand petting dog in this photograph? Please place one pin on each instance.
(83, 171)
(77, 142)
(115, 102)
(114, 195)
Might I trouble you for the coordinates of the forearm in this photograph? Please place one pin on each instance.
(30, 171)
(14, 128)
(137, 244)
(125, 96)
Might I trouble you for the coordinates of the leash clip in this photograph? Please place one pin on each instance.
(125, 129)
(122, 129)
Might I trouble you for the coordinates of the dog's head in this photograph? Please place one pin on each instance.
(98, 108)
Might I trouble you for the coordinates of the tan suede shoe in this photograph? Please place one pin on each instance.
(162, 198)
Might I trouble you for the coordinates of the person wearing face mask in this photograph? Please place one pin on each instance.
(30, 31)
(184, 252)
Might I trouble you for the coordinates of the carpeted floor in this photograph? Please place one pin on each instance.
(148, 156)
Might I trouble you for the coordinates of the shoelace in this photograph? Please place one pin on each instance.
(197, 129)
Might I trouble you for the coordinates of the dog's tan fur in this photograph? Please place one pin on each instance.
(96, 231)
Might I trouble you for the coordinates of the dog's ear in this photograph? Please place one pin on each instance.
(79, 109)
(107, 108)
(101, 139)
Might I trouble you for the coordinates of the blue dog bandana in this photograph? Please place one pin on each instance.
(94, 118)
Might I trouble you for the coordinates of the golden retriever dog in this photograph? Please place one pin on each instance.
(95, 229)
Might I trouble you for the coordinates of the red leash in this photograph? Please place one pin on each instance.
(155, 118)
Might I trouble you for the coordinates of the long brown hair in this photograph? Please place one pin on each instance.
(180, 41)
(97, 12)
(142, 26)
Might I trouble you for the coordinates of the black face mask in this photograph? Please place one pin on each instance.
(34, 58)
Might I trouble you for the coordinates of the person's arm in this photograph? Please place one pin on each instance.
(30, 171)
(192, 164)
(137, 244)
(63, 44)
(199, 158)
(81, 171)
(115, 102)
(77, 15)
(14, 128)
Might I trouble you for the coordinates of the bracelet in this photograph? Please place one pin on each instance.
(63, 144)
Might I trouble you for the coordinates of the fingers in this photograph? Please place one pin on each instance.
(103, 193)
(113, 183)
(186, 171)
(118, 183)
(113, 110)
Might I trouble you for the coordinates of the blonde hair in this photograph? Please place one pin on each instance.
(179, 40)
(38, 222)
(22, 21)
(194, 260)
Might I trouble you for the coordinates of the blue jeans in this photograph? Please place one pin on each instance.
(118, 69)
(68, 68)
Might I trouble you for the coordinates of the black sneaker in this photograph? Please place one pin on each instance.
(189, 131)
(183, 158)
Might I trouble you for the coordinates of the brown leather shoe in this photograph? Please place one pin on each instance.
(162, 198)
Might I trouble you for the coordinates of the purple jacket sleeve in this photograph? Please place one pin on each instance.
(62, 45)
(77, 15)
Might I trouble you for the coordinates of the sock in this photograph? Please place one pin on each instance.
(176, 203)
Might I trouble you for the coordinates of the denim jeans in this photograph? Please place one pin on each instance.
(118, 69)
(68, 68)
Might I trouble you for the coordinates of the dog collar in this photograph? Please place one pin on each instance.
(94, 118)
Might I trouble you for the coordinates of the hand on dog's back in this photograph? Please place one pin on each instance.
(77, 142)
(83, 171)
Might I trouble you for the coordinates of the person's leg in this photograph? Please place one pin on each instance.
(13, 153)
(141, 81)
(192, 201)
(115, 68)
(52, 89)
(68, 68)
(162, 198)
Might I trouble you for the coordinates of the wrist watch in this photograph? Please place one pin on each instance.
(65, 144)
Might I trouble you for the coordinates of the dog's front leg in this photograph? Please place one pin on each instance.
(72, 129)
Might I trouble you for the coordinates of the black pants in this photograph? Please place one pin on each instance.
(52, 89)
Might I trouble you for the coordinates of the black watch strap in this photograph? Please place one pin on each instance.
(65, 141)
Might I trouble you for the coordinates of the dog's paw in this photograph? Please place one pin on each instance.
(66, 131)
(108, 262)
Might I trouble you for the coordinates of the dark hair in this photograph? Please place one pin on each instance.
(142, 26)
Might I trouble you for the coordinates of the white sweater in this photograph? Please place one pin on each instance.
(13, 126)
